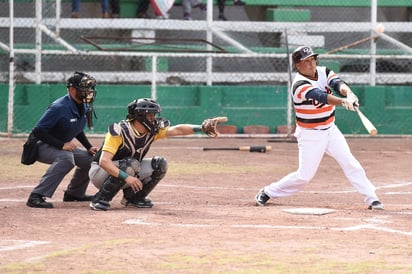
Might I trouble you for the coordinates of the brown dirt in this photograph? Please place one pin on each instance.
(204, 219)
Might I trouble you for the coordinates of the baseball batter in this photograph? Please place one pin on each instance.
(316, 131)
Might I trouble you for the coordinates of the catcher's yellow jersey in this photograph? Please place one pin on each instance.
(115, 140)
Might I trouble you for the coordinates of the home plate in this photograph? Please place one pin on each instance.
(309, 211)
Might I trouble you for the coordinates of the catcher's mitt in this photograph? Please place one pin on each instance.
(209, 125)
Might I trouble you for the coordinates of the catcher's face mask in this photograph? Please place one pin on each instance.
(146, 111)
(86, 96)
(85, 86)
(151, 122)
(151, 117)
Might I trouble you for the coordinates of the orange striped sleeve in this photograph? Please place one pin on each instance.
(302, 90)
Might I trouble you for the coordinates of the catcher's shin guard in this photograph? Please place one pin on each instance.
(130, 198)
(159, 165)
(111, 186)
(138, 199)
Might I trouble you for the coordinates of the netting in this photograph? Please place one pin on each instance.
(253, 50)
(327, 29)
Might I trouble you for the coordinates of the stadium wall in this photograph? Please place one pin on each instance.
(387, 106)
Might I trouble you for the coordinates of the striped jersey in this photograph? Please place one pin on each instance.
(310, 113)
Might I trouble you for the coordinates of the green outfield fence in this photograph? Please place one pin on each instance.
(388, 107)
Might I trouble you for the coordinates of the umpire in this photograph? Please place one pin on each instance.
(63, 121)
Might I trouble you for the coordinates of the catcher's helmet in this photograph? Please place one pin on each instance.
(85, 86)
(301, 53)
(137, 110)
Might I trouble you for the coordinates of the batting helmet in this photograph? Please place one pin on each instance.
(301, 53)
(137, 110)
(85, 86)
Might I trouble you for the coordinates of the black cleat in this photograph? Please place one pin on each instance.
(376, 205)
(142, 203)
(261, 198)
(99, 205)
(37, 200)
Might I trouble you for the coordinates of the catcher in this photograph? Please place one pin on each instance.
(120, 162)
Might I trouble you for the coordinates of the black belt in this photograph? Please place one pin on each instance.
(320, 128)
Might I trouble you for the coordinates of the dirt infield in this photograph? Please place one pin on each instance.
(204, 219)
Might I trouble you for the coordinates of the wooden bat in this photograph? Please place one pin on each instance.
(373, 37)
(366, 123)
(262, 149)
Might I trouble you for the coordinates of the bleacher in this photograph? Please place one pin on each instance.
(282, 11)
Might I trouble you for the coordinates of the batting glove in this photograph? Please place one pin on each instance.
(351, 97)
(348, 104)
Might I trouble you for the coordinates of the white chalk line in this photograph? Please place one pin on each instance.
(13, 200)
(397, 185)
(21, 244)
(374, 225)
(9, 245)
(15, 187)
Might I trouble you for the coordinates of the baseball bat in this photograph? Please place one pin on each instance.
(366, 123)
(373, 37)
(242, 148)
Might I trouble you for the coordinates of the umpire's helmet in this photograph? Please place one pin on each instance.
(85, 86)
(137, 110)
(301, 53)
